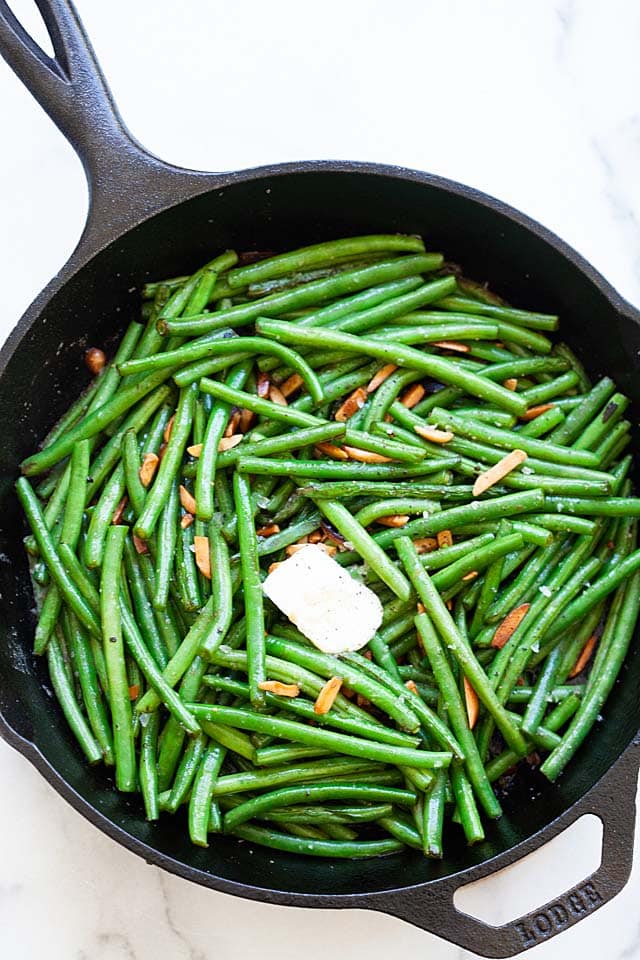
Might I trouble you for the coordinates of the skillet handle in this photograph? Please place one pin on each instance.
(612, 800)
(126, 182)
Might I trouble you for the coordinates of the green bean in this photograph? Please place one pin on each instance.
(51, 557)
(166, 538)
(457, 714)
(340, 742)
(252, 585)
(120, 704)
(344, 489)
(318, 848)
(159, 491)
(148, 771)
(317, 469)
(74, 508)
(366, 547)
(186, 772)
(222, 594)
(84, 666)
(436, 367)
(231, 739)
(202, 794)
(284, 753)
(444, 624)
(544, 392)
(510, 440)
(562, 522)
(476, 560)
(359, 302)
(596, 431)
(616, 507)
(131, 464)
(543, 423)
(47, 618)
(66, 698)
(465, 805)
(431, 332)
(308, 295)
(258, 806)
(433, 817)
(397, 505)
(584, 413)
(307, 436)
(293, 533)
(537, 321)
(390, 309)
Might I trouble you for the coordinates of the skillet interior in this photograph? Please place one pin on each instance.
(280, 212)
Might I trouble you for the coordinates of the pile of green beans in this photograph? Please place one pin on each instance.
(353, 394)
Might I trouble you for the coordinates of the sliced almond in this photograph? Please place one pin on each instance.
(444, 538)
(234, 423)
(187, 520)
(227, 443)
(203, 556)
(291, 384)
(433, 434)
(362, 702)
(263, 385)
(167, 430)
(134, 691)
(117, 516)
(499, 470)
(452, 345)
(330, 449)
(412, 396)
(316, 537)
(139, 544)
(425, 544)
(534, 412)
(471, 701)
(280, 689)
(511, 383)
(188, 500)
(394, 520)
(585, 655)
(195, 450)
(148, 468)
(246, 419)
(277, 396)
(326, 697)
(366, 456)
(470, 576)
(380, 377)
(509, 625)
(411, 685)
(274, 566)
(354, 402)
(268, 530)
(421, 608)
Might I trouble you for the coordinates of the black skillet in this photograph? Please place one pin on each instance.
(149, 219)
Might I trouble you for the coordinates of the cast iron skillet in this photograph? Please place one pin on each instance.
(149, 219)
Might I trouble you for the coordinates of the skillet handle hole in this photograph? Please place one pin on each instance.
(557, 866)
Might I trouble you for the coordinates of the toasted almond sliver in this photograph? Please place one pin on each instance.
(411, 685)
(380, 377)
(510, 383)
(471, 701)
(326, 697)
(149, 466)
(274, 566)
(316, 537)
(327, 548)
(499, 470)
(167, 430)
(280, 689)
(412, 395)
(330, 449)
(433, 434)
(354, 402)
(291, 384)
(245, 420)
(227, 443)
(534, 412)
(366, 456)
(234, 423)
(134, 691)
(585, 655)
(263, 385)
(195, 450)
(421, 609)
(277, 396)
(509, 625)
(139, 544)
(268, 530)
(394, 520)
(471, 575)
(203, 556)
(187, 520)
(452, 345)
(117, 516)
(425, 544)
(188, 500)
(444, 538)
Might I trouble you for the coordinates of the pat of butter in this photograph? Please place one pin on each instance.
(328, 606)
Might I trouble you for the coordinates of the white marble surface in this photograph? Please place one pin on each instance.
(535, 102)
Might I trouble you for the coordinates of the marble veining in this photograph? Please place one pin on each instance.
(537, 103)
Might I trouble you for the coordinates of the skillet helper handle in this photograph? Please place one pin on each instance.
(613, 801)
